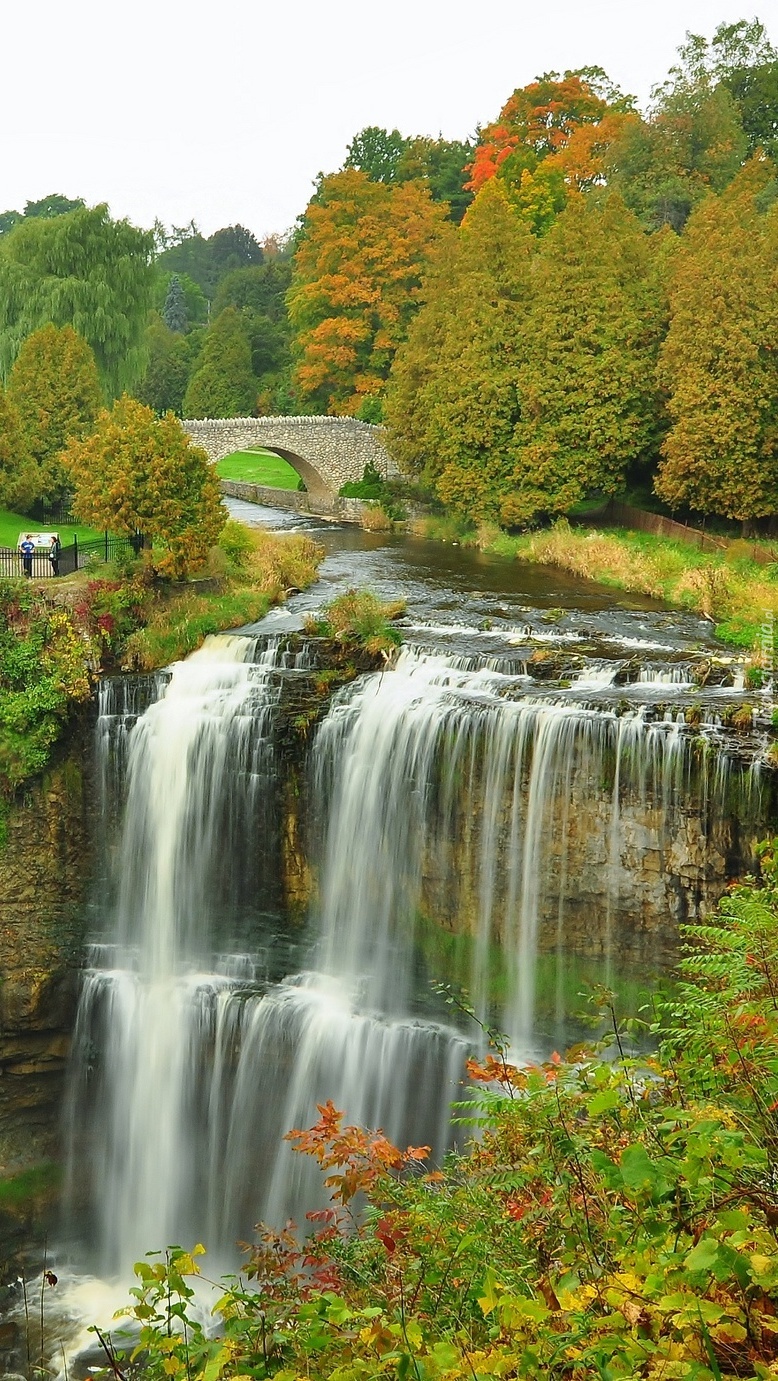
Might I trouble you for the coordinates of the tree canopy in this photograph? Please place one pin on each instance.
(84, 270)
(718, 362)
(356, 284)
(136, 472)
(18, 472)
(452, 404)
(224, 383)
(55, 388)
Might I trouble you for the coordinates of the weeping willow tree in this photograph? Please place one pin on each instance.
(83, 270)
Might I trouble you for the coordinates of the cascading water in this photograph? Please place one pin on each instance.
(450, 801)
(198, 774)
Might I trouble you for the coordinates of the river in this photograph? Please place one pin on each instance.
(534, 797)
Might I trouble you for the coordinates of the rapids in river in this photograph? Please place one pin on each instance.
(522, 800)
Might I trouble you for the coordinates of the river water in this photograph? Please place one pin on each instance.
(534, 795)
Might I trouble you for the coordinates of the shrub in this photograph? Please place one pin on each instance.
(359, 617)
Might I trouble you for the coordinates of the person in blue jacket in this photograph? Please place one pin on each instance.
(27, 549)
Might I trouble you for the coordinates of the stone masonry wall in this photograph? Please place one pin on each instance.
(329, 506)
(326, 452)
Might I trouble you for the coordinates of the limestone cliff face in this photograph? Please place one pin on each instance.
(45, 867)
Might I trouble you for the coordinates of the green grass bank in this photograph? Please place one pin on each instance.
(727, 587)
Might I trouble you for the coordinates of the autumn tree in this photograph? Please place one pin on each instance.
(136, 472)
(18, 472)
(551, 137)
(223, 384)
(452, 404)
(356, 282)
(55, 389)
(718, 362)
(82, 270)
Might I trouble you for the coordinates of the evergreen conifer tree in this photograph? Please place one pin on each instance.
(452, 403)
(55, 389)
(174, 310)
(718, 363)
(586, 376)
(224, 384)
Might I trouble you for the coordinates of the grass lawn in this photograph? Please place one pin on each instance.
(11, 524)
(258, 467)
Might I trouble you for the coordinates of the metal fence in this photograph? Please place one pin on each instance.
(73, 556)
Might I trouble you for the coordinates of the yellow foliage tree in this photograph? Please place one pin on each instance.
(718, 363)
(140, 472)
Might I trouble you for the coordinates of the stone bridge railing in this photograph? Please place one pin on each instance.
(326, 452)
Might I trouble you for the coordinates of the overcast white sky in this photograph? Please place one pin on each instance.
(226, 111)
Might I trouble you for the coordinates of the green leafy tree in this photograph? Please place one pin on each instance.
(586, 377)
(172, 359)
(718, 362)
(136, 472)
(740, 57)
(451, 403)
(174, 312)
(19, 481)
(194, 299)
(8, 219)
(55, 388)
(224, 383)
(693, 142)
(390, 157)
(82, 270)
(54, 205)
(259, 293)
(46, 208)
(207, 261)
(261, 288)
(377, 153)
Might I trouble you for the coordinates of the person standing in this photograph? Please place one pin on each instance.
(55, 547)
(27, 549)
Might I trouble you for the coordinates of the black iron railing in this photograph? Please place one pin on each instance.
(73, 556)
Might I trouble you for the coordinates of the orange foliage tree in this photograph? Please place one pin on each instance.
(552, 135)
(355, 287)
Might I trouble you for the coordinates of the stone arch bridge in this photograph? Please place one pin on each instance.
(326, 452)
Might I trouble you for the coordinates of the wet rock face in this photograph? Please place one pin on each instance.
(44, 871)
(602, 885)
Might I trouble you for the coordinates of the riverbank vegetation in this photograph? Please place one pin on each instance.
(614, 1215)
(57, 637)
(728, 587)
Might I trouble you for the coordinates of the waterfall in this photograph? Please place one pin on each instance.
(450, 799)
(198, 768)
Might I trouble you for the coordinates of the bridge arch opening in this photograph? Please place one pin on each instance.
(308, 473)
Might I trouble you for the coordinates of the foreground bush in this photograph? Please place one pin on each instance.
(616, 1217)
